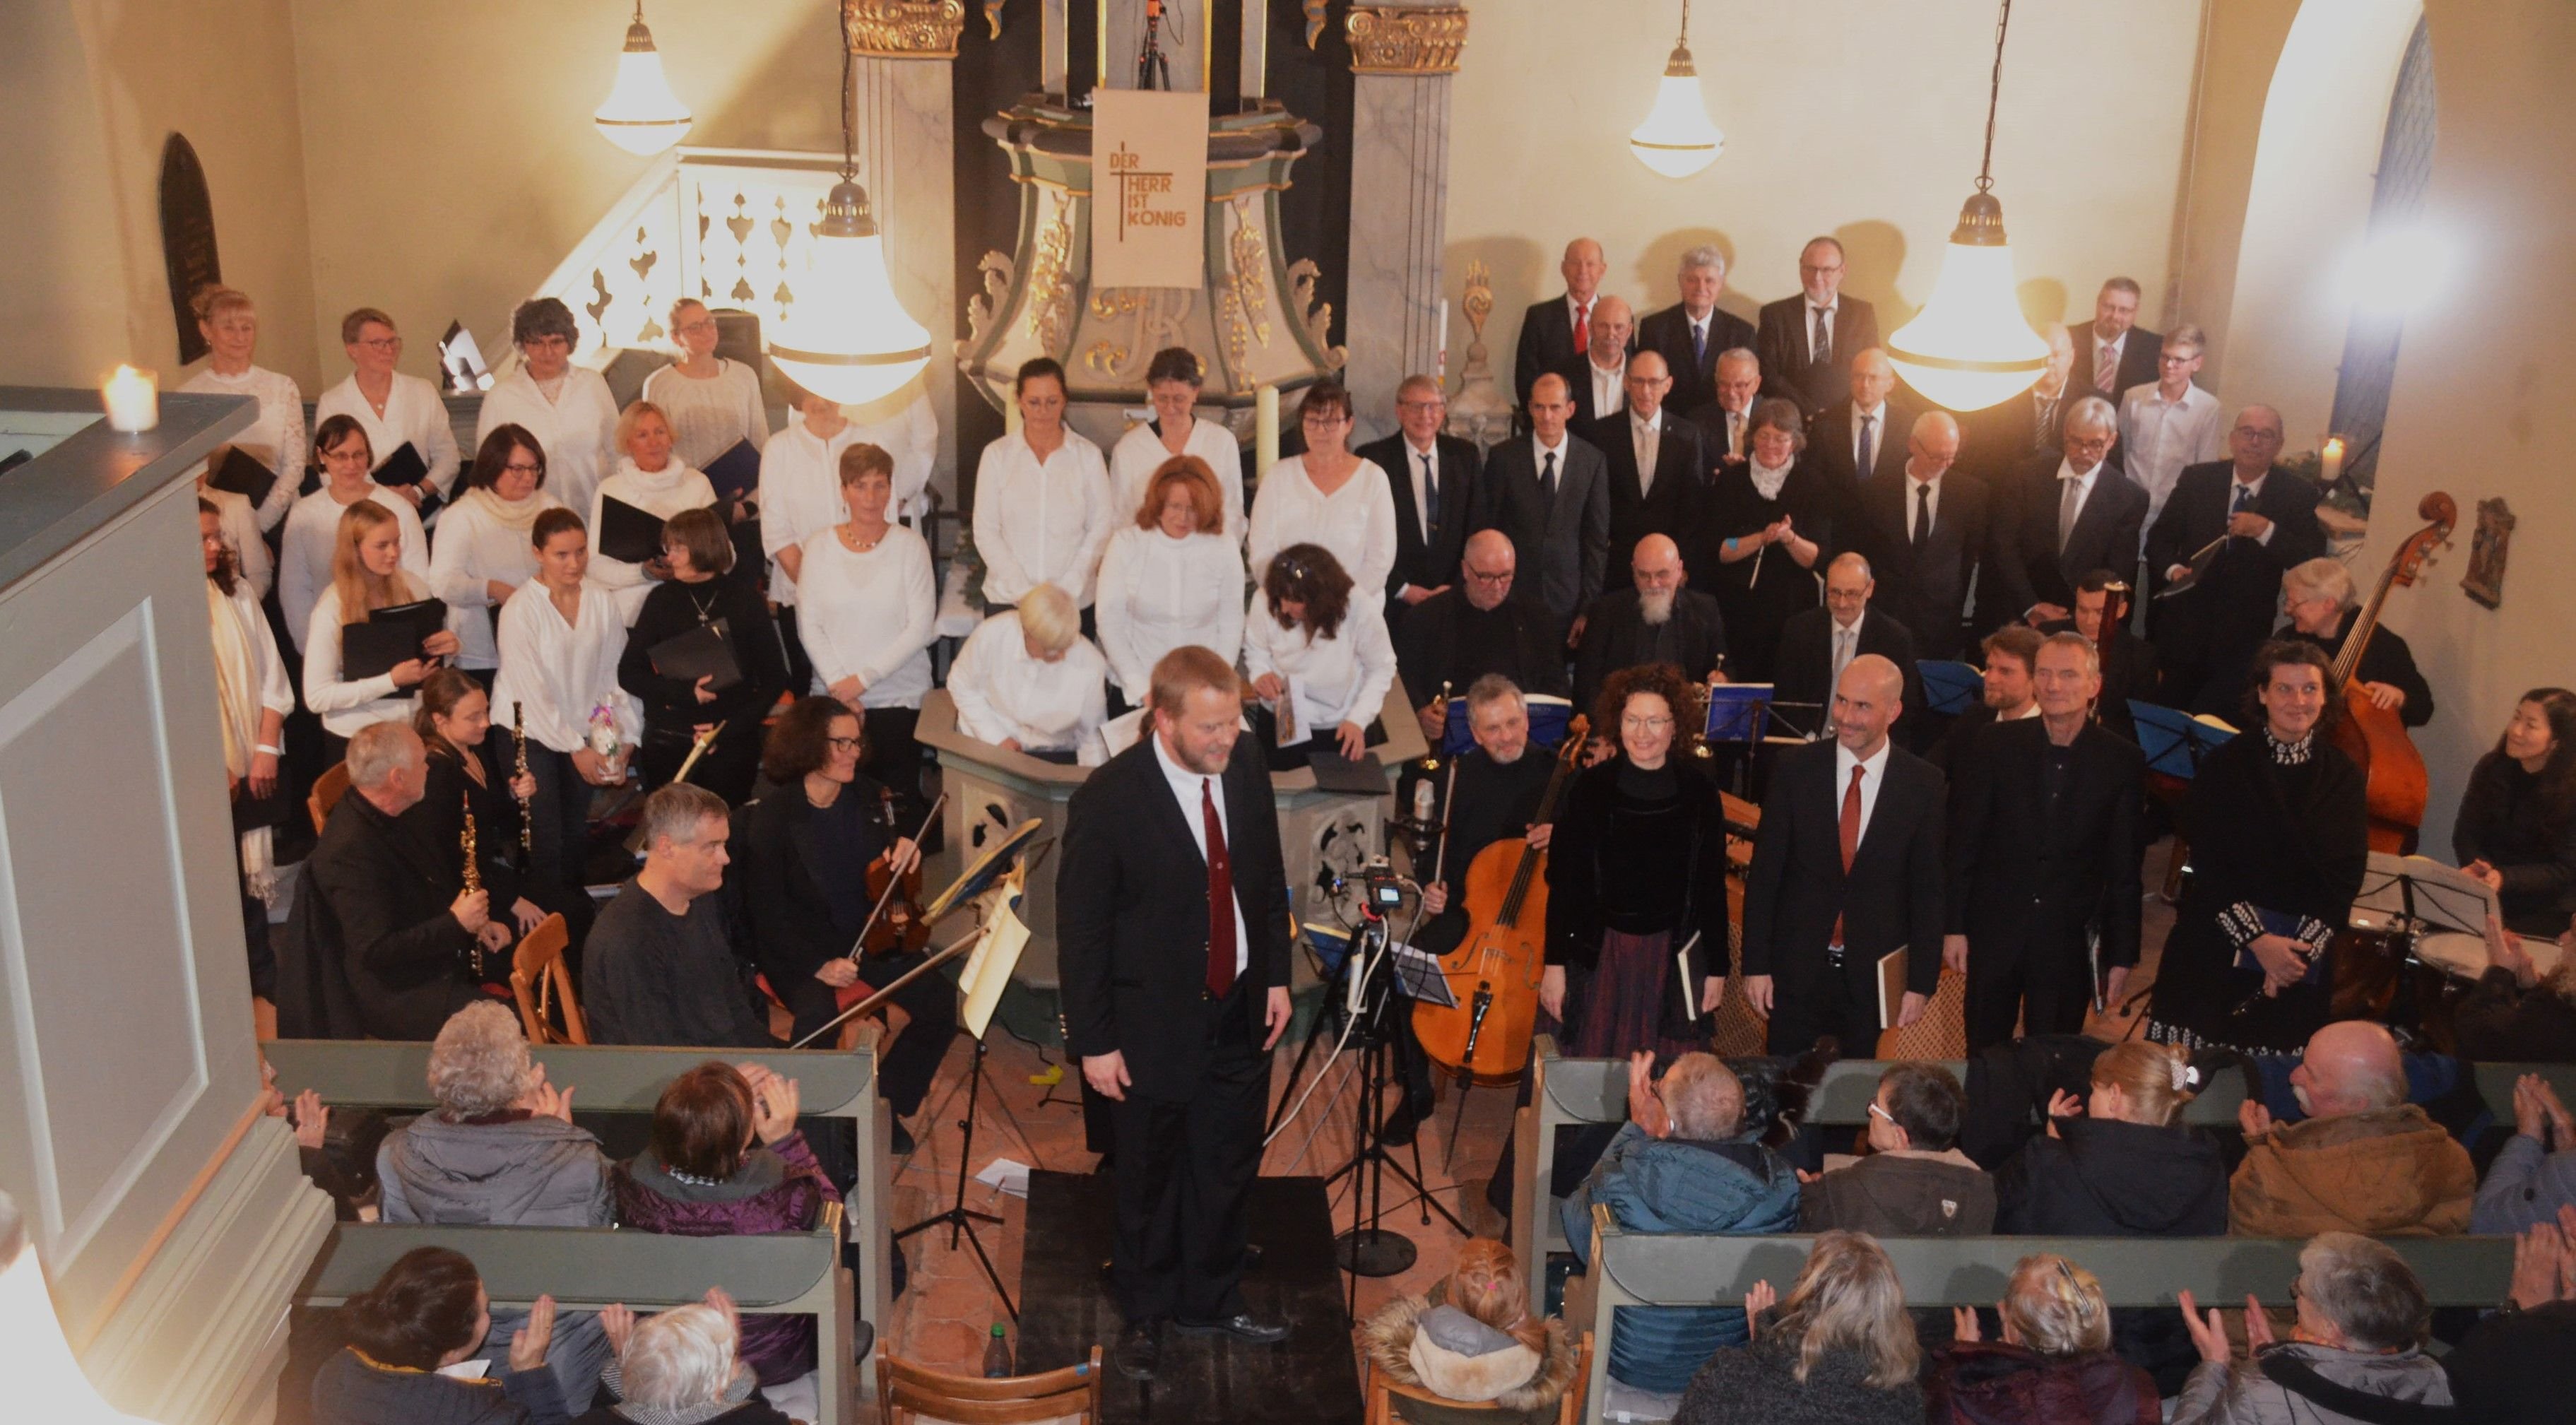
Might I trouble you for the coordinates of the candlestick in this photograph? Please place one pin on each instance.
(132, 399)
(2330, 461)
(1265, 430)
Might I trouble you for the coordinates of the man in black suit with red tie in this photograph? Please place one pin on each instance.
(1926, 533)
(1807, 342)
(1861, 439)
(1657, 473)
(2062, 517)
(1172, 938)
(1556, 333)
(2131, 350)
(1847, 869)
(2206, 635)
(1692, 333)
(1432, 476)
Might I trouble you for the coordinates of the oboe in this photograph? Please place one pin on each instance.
(519, 740)
(465, 839)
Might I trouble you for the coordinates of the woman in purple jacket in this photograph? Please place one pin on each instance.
(725, 1159)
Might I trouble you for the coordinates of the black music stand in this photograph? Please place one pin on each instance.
(2175, 742)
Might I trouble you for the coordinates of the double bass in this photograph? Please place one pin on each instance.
(2374, 738)
(1495, 971)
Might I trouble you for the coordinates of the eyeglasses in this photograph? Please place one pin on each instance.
(2257, 433)
(1323, 418)
(381, 343)
(521, 467)
(1429, 405)
(1479, 576)
(703, 324)
(1645, 723)
(1819, 269)
(842, 744)
(1879, 1112)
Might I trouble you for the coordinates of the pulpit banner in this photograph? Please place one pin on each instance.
(1149, 166)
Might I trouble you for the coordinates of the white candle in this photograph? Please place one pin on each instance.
(2330, 461)
(1265, 430)
(1440, 336)
(132, 399)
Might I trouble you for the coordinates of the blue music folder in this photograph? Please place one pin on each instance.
(1738, 712)
(1950, 688)
(1548, 716)
(736, 472)
(2176, 741)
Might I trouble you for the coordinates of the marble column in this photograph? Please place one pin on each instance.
(903, 55)
(1402, 56)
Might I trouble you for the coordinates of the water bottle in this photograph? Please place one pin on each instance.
(997, 1355)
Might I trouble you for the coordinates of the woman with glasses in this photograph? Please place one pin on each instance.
(1319, 657)
(1769, 523)
(309, 542)
(713, 404)
(565, 406)
(1172, 383)
(483, 553)
(1042, 509)
(393, 409)
(1328, 496)
(229, 322)
(1635, 882)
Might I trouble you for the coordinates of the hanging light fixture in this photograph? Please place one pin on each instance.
(45, 1378)
(641, 115)
(1970, 347)
(1677, 139)
(846, 336)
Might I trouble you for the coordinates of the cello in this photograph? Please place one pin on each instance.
(1495, 971)
(2375, 740)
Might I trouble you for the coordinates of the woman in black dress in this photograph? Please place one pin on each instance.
(1633, 872)
(2517, 825)
(2279, 838)
(1770, 525)
(702, 592)
(453, 718)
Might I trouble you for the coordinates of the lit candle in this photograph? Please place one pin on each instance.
(2330, 461)
(132, 399)
(1265, 430)
(1440, 336)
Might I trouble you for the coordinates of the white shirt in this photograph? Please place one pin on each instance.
(1609, 387)
(710, 415)
(1647, 435)
(1873, 775)
(1339, 679)
(313, 532)
(414, 415)
(1003, 693)
(868, 616)
(560, 670)
(344, 707)
(1877, 418)
(1549, 482)
(1807, 311)
(476, 548)
(909, 433)
(275, 693)
(2163, 436)
(239, 525)
(276, 437)
(1355, 522)
(577, 430)
(664, 492)
(1041, 522)
(1158, 593)
(2084, 484)
(800, 495)
(1140, 452)
(1193, 791)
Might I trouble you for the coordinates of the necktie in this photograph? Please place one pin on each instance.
(1842, 650)
(1864, 458)
(1220, 869)
(1735, 432)
(2244, 497)
(1583, 326)
(1430, 497)
(1849, 829)
(1821, 350)
(1922, 512)
(2043, 428)
(2070, 505)
(2106, 368)
(1547, 476)
(1699, 344)
(1645, 442)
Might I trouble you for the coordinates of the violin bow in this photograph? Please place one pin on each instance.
(893, 882)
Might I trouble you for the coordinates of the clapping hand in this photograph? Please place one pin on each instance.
(544, 1100)
(2539, 1116)
(2209, 1336)
(2539, 1266)
(2062, 1104)
(1963, 1325)
(1761, 1299)
(2253, 1119)
(618, 1323)
(1645, 1106)
(528, 1343)
(2505, 952)
(312, 1120)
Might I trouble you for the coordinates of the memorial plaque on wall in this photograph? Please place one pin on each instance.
(187, 238)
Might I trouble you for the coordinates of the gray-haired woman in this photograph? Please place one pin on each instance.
(681, 1367)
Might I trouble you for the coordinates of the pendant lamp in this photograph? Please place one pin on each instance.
(1677, 139)
(846, 337)
(641, 115)
(1970, 347)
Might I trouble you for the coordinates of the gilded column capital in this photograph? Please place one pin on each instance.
(903, 29)
(1406, 39)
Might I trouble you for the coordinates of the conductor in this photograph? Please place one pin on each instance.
(1173, 946)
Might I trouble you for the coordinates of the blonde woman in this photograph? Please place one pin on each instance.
(713, 404)
(2054, 1365)
(1840, 1349)
(366, 574)
(1028, 681)
(229, 322)
(311, 539)
(1472, 1338)
(1164, 576)
(652, 478)
(393, 409)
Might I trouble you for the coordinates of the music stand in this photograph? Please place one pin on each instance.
(1950, 688)
(1737, 712)
(2175, 742)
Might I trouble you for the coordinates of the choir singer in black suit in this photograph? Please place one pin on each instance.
(2062, 516)
(1550, 492)
(1659, 619)
(1432, 477)
(1846, 869)
(1173, 941)
(1658, 475)
(1692, 333)
(2268, 518)
(1556, 333)
(1926, 535)
(1474, 629)
(1807, 342)
(2043, 844)
(1816, 646)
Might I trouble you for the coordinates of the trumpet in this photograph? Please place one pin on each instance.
(465, 841)
(519, 741)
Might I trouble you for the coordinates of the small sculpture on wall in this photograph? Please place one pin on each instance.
(2487, 549)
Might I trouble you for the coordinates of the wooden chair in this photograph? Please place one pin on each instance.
(327, 791)
(1421, 1407)
(907, 1393)
(542, 986)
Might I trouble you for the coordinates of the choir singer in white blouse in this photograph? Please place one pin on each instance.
(800, 497)
(866, 603)
(1318, 654)
(713, 404)
(1028, 681)
(1172, 382)
(366, 575)
(1042, 507)
(560, 641)
(305, 549)
(1165, 578)
(484, 552)
(654, 479)
(393, 409)
(230, 324)
(566, 407)
(1328, 496)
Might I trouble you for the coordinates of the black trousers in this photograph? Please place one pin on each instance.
(1841, 1002)
(912, 1060)
(2046, 987)
(1184, 1168)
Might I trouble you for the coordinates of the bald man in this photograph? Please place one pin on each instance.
(1557, 333)
(1657, 619)
(1658, 471)
(1550, 491)
(1846, 870)
(1807, 342)
(1862, 437)
(1926, 534)
(2206, 635)
(1473, 628)
(2363, 1160)
(1817, 644)
(1603, 391)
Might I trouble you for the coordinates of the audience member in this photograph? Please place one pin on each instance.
(2170, 423)
(1028, 681)
(1691, 334)
(2113, 353)
(1556, 333)
(650, 478)
(1914, 1182)
(800, 497)
(1042, 503)
(1929, 535)
(1603, 391)
(1472, 1338)
(1317, 653)
(1172, 382)
(1685, 1161)
(561, 638)
(726, 1159)
(2534, 1177)
(713, 403)
(2062, 516)
(308, 545)
(1167, 578)
(1818, 645)
(1807, 342)
(2516, 828)
(1476, 630)
(1658, 474)
(2514, 1368)
(2516, 1015)
(681, 714)
(1861, 440)
(1725, 420)
(394, 410)
(2264, 521)
(229, 322)
(454, 720)
(690, 1365)
(1432, 478)
(2361, 1323)
(1655, 620)
(2054, 1365)
(1770, 519)
(2317, 598)
(1840, 1351)
(1550, 494)
(427, 1313)
(659, 967)
(868, 608)
(484, 551)
(2364, 1160)
(252, 700)
(1327, 496)
(566, 406)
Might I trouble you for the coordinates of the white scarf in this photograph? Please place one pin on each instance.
(654, 484)
(1766, 481)
(237, 699)
(520, 514)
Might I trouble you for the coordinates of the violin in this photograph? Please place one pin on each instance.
(898, 925)
(2374, 738)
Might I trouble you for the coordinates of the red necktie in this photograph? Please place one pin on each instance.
(1582, 326)
(1850, 829)
(1220, 867)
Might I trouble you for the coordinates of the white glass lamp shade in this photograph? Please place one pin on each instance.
(1970, 347)
(45, 1378)
(641, 115)
(845, 336)
(1677, 139)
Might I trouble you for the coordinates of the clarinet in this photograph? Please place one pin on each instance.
(465, 840)
(519, 741)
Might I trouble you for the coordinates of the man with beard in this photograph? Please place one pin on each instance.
(1660, 620)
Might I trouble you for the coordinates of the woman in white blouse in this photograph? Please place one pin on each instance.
(652, 479)
(307, 548)
(1165, 579)
(1172, 382)
(1317, 654)
(1328, 496)
(253, 698)
(800, 497)
(566, 407)
(230, 325)
(1041, 498)
(1028, 681)
(393, 409)
(482, 554)
(366, 574)
(713, 404)
(561, 638)
(866, 604)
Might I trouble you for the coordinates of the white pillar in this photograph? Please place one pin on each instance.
(1403, 55)
(904, 56)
